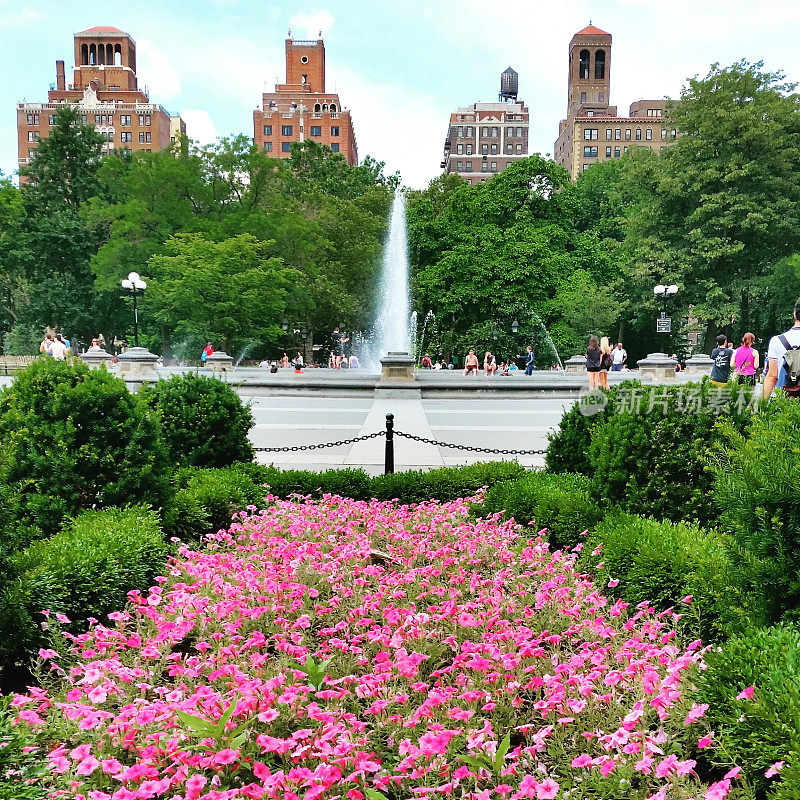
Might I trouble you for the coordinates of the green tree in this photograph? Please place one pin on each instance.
(228, 292)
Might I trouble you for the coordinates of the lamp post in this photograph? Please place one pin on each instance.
(515, 327)
(664, 325)
(136, 286)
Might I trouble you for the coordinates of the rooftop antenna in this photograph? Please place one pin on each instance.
(289, 33)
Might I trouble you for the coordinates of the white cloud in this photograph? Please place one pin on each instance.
(19, 17)
(310, 25)
(156, 72)
(199, 126)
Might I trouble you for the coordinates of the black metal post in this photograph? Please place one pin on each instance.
(135, 320)
(388, 468)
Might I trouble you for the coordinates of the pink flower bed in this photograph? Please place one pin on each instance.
(342, 649)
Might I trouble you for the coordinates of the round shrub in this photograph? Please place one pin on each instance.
(85, 570)
(564, 504)
(203, 420)
(664, 562)
(72, 438)
(353, 483)
(755, 733)
(651, 456)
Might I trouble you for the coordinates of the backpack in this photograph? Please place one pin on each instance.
(790, 369)
(606, 361)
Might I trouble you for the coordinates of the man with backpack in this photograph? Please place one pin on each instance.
(783, 360)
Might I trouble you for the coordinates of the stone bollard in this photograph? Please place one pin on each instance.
(398, 366)
(95, 356)
(219, 362)
(575, 365)
(136, 362)
(657, 367)
(699, 364)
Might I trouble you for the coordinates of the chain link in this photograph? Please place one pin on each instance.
(298, 448)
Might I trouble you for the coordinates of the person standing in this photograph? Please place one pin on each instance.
(58, 350)
(619, 356)
(606, 362)
(530, 361)
(593, 356)
(783, 360)
(338, 347)
(721, 355)
(745, 361)
(207, 351)
(46, 347)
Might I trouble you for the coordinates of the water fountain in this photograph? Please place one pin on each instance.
(393, 322)
(429, 317)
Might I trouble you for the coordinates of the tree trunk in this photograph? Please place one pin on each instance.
(710, 340)
(308, 351)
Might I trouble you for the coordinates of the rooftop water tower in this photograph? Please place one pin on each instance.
(509, 86)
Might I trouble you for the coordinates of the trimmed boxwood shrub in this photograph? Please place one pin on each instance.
(756, 733)
(203, 420)
(757, 487)
(655, 461)
(564, 504)
(85, 570)
(663, 562)
(72, 438)
(354, 483)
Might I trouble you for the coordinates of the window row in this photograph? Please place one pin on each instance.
(486, 166)
(286, 147)
(287, 130)
(99, 119)
(591, 151)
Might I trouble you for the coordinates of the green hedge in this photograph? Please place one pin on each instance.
(663, 562)
(86, 570)
(203, 421)
(564, 504)
(354, 483)
(756, 733)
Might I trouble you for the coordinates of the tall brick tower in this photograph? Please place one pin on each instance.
(589, 79)
(301, 109)
(107, 93)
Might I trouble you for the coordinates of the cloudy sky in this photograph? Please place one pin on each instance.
(401, 66)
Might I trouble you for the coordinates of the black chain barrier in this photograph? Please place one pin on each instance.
(390, 433)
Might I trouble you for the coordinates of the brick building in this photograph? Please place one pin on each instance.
(107, 93)
(593, 130)
(301, 109)
(484, 138)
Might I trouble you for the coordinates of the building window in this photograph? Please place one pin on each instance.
(316, 130)
(126, 136)
(52, 119)
(125, 120)
(141, 120)
(484, 165)
(599, 65)
(617, 133)
(674, 133)
(648, 134)
(469, 149)
(494, 148)
(268, 147)
(470, 132)
(520, 133)
(147, 137)
(509, 132)
(654, 112)
(460, 131)
(286, 130)
(147, 119)
(616, 152)
(335, 130)
(608, 134)
(627, 134)
(485, 133)
(286, 147)
(495, 131)
(625, 149)
(608, 151)
(590, 113)
(583, 97)
(469, 166)
(97, 119)
(590, 134)
(663, 134)
(33, 119)
(459, 166)
(601, 96)
(335, 147)
(484, 149)
(509, 148)
(460, 149)
(583, 65)
(519, 149)
(268, 130)
(638, 134)
(33, 136)
(589, 152)
(494, 166)
(141, 138)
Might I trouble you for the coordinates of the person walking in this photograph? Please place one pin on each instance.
(745, 361)
(619, 356)
(471, 363)
(530, 362)
(606, 362)
(58, 350)
(722, 356)
(783, 360)
(593, 356)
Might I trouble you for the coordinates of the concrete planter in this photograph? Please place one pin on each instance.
(699, 364)
(398, 367)
(575, 365)
(657, 367)
(137, 361)
(219, 362)
(95, 356)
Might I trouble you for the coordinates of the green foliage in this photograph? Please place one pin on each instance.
(664, 562)
(313, 670)
(492, 765)
(654, 461)
(564, 504)
(756, 484)
(85, 570)
(210, 498)
(354, 483)
(755, 733)
(21, 773)
(203, 728)
(73, 439)
(203, 421)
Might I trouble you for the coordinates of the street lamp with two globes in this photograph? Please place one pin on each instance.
(136, 286)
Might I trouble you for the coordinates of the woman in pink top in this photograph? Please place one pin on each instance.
(745, 360)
